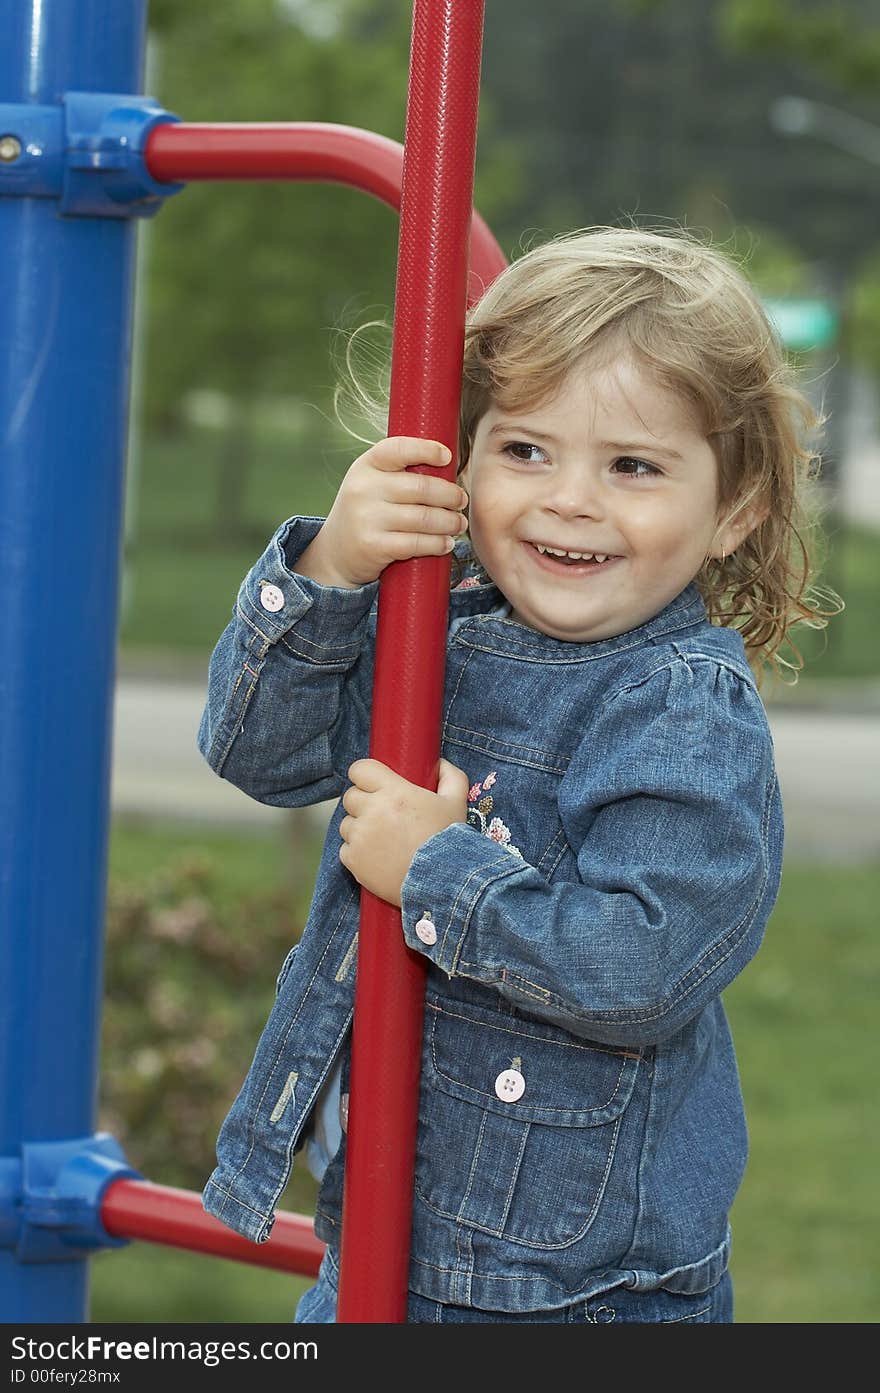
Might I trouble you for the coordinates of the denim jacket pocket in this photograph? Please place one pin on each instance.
(518, 1123)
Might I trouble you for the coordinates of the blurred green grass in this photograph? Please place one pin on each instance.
(183, 563)
(805, 1223)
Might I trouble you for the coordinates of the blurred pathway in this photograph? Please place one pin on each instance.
(829, 771)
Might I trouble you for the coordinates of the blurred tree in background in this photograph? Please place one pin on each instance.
(652, 109)
(247, 281)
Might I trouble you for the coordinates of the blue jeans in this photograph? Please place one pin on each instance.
(318, 1306)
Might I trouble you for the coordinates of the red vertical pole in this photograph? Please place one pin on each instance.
(431, 295)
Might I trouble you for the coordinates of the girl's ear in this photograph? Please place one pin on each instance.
(736, 527)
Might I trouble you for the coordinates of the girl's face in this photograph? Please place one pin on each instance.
(613, 476)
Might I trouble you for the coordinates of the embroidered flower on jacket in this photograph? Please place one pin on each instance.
(481, 805)
(498, 832)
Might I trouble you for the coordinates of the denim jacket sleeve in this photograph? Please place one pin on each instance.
(671, 805)
(290, 680)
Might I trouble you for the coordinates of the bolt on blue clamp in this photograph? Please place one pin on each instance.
(50, 1199)
(88, 153)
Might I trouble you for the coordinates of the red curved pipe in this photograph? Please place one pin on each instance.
(161, 1214)
(306, 151)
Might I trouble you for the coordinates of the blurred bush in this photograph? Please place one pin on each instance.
(189, 983)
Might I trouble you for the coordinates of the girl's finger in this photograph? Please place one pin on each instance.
(345, 828)
(415, 517)
(369, 774)
(407, 546)
(452, 782)
(424, 488)
(354, 800)
(403, 451)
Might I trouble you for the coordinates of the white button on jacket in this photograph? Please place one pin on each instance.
(510, 1085)
(426, 932)
(271, 598)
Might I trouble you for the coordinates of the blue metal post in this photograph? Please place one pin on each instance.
(65, 328)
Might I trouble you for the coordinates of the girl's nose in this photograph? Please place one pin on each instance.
(573, 494)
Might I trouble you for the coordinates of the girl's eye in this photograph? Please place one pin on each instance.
(524, 452)
(635, 468)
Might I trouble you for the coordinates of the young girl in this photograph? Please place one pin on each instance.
(604, 847)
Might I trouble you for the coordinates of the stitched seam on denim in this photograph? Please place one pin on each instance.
(335, 652)
(512, 744)
(255, 1116)
(469, 1241)
(464, 668)
(515, 1176)
(239, 716)
(491, 1276)
(539, 994)
(230, 705)
(539, 866)
(679, 1320)
(492, 748)
(241, 1204)
(529, 1035)
(531, 1242)
(252, 624)
(460, 1261)
(644, 1161)
(474, 1164)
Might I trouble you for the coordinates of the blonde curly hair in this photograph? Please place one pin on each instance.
(687, 315)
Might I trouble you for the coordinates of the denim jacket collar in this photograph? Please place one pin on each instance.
(494, 631)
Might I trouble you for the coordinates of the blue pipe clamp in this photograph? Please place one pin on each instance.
(88, 153)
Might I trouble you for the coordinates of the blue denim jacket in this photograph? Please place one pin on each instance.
(620, 860)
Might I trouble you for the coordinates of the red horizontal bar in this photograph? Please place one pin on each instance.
(276, 150)
(304, 150)
(161, 1214)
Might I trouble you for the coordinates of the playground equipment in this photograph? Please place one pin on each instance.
(80, 158)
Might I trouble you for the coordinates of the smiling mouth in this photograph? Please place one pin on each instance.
(583, 559)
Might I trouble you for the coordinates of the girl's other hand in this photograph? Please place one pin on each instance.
(384, 513)
(389, 818)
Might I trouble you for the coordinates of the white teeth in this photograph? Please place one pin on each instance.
(575, 555)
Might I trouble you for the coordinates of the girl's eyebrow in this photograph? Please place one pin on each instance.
(523, 428)
(640, 446)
